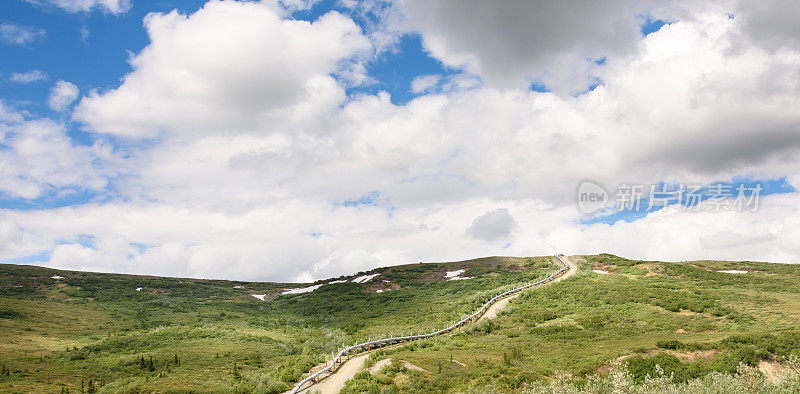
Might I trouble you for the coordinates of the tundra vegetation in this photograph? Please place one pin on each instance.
(641, 325)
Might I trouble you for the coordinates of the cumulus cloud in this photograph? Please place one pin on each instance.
(518, 41)
(769, 234)
(62, 95)
(207, 78)
(424, 83)
(769, 23)
(111, 6)
(494, 145)
(150, 239)
(38, 158)
(28, 76)
(492, 226)
(12, 33)
(8, 117)
(261, 167)
(268, 242)
(297, 5)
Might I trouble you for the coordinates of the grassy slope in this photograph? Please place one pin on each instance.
(60, 333)
(684, 317)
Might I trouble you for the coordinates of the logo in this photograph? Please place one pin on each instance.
(591, 197)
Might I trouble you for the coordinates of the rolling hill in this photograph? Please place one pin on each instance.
(78, 331)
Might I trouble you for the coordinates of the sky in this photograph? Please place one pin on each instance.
(299, 140)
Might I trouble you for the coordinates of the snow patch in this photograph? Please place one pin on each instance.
(598, 271)
(56, 277)
(379, 291)
(238, 287)
(337, 281)
(139, 288)
(259, 296)
(302, 290)
(365, 278)
(456, 275)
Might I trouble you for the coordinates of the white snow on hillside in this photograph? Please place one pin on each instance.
(456, 275)
(302, 289)
(365, 278)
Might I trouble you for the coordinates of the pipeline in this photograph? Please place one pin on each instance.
(364, 346)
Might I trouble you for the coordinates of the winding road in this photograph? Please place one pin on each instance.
(330, 379)
(493, 310)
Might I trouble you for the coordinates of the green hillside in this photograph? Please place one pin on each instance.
(89, 331)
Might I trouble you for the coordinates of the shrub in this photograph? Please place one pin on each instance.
(671, 345)
(10, 314)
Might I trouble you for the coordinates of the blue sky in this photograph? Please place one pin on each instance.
(100, 61)
(91, 49)
(752, 191)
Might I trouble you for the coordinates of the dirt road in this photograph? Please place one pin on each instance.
(491, 313)
(334, 383)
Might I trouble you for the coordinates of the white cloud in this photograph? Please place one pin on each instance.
(62, 95)
(770, 234)
(7, 117)
(85, 32)
(492, 226)
(262, 169)
(467, 152)
(112, 6)
(28, 76)
(206, 78)
(518, 41)
(38, 158)
(297, 5)
(769, 23)
(424, 83)
(11, 33)
(207, 244)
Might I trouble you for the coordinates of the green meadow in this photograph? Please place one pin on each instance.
(91, 332)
